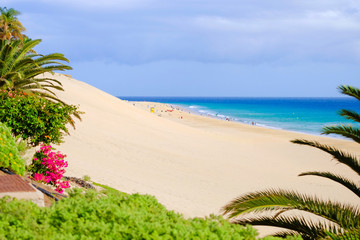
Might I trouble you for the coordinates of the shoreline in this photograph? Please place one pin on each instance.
(190, 111)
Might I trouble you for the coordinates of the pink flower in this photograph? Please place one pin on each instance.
(38, 177)
(53, 167)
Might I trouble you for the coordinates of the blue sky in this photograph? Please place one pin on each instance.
(242, 48)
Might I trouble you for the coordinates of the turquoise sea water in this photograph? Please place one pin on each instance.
(308, 115)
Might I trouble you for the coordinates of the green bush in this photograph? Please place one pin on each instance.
(114, 215)
(35, 119)
(9, 153)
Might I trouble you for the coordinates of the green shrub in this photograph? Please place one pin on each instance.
(35, 119)
(114, 215)
(9, 154)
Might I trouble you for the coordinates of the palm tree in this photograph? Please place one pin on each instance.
(21, 70)
(10, 27)
(338, 220)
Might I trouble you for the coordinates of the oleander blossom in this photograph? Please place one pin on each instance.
(49, 167)
(12, 94)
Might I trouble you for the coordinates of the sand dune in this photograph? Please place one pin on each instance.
(193, 165)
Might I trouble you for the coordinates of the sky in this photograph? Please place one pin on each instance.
(219, 48)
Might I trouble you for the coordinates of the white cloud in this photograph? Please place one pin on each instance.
(325, 20)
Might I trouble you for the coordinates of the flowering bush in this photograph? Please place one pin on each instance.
(35, 119)
(9, 153)
(12, 93)
(49, 167)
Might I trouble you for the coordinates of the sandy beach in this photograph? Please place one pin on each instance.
(192, 164)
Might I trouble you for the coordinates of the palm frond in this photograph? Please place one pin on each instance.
(278, 200)
(285, 233)
(353, 234)
(22, 70)
(339, 179)
(48, 80)
(351, 115)
(304, 227)
(23, 63)
(57, 67)
(347, 131)
(20, 52)
(53, 56)
(350, 91)
(342, 157)
(44, 87)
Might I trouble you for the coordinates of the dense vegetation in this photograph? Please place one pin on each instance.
(28, 104)
(340, 221)
(35, 119)
(112, 216)
(9, 152)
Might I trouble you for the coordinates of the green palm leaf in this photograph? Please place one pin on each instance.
(351, 115)
(285, 233)
(347, 235)
(350, 91)
(305, 227)
(54, 56)
(339, 179)
(49, 81)
(346, 131)
(282, 200)
(21, 69)
(342, 157)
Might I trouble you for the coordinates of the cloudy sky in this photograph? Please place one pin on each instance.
(242, 48)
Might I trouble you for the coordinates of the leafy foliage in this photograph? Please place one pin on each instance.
(339, 221)
(114, 215)
(9, 154)
(35, 119)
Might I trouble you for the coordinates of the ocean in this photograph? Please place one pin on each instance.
(306, 115)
